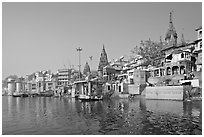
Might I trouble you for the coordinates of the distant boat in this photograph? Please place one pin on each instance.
(17, 94)
(24, 95)
(89, 98)
(48, 93)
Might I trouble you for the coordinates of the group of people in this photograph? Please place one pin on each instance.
(189, 77)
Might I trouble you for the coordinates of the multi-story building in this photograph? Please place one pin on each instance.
(64, 76)
(198, 49)
(39, 81)
(179, 58)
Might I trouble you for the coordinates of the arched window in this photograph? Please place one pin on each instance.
(182, 55)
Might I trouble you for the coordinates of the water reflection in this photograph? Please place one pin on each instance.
(41, 115)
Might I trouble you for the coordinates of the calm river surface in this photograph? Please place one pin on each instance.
(51, 116)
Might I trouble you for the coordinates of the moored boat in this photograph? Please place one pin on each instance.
(89, 98)
(48, 93)
(24, 95)
(17, 95)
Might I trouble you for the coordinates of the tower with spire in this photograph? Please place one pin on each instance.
(87, 69)
(103, 61)
(182, 39)
(171, 35)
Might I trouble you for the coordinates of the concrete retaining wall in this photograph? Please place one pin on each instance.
(123, 95)
(136, 90)
(133, 89)
(164, 92)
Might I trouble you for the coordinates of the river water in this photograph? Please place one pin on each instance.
(58, 116)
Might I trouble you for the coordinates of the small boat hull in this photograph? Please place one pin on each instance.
(24, 95)
(89, 98)
(17, 95)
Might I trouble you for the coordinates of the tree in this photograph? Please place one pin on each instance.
(149, 50)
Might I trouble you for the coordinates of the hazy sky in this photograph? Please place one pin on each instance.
(41, 36)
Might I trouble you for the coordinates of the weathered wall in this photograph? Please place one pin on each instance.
(18, 87)
(136, 90)
(11, 88)
(133, 89)
(165, 92)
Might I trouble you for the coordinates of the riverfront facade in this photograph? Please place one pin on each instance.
(173, 59)
(135, 83)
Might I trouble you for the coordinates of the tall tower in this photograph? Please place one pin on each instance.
(103, 61)
(171, 35)
(182, 39)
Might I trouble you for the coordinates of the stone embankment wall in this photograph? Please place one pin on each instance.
(165, 92)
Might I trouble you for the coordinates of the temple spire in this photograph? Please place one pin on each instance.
(182, 39)
(171, 26)
(87, 69)
(170, 19)
(160, 39)
(103, 61)
(171, 31)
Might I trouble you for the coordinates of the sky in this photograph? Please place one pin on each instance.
(44, 36)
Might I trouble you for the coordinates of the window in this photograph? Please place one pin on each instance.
(182, 55)
(130, 73)
(201, 44)
(200, 34)
(119, 89)
(33, 86)
(131, 81)
(161, 72)
(156, 73)
(168, 71)
(109, 87)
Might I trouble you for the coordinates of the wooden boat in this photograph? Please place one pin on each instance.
(88, 90)
(33, 95)
(24, 95)
(48, 93)
(17, 94)
(89, 98)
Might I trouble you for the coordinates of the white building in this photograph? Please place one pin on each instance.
(198, 49)
(63, 77)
